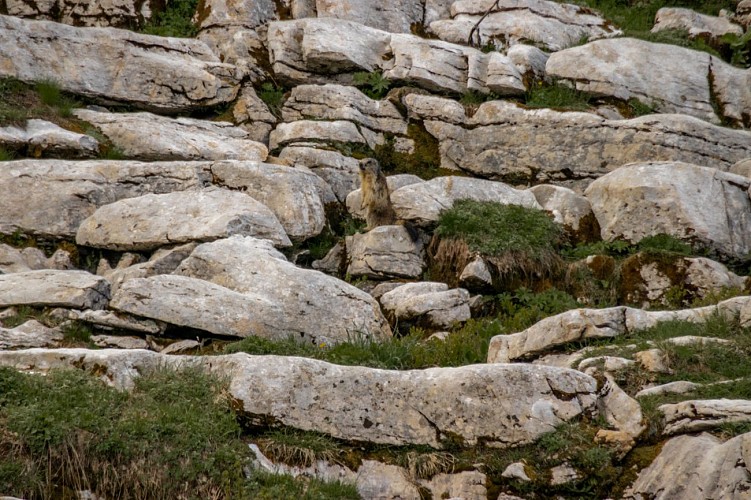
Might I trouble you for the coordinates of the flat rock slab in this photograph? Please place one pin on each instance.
(52, 288)
(697, 25)
(502, 405)
(307, 303)
(700, 415)
(40, 138)
(29, 335)
(155, 220)
(700, 466)
(385, 252)
(505, 142)
(693, 203)
(669, 78)
(114, 13)
(395, 16)
(428, 304)
(145, 71)
(549, 25)
(149, 137)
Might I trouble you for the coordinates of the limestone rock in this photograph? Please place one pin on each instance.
(340, 102)
(692, 203)
(117, 342)
(240, 47)
(340, 172)
(569, 209)
(743, 13)
(505, 142)
(671, 79)
(181, 347)
(742, 167)
(149, 137)
(378, 480)
(549, 25)
(103, 13)
(504, 405)
(653, 360)
(111, 320)
(385, 252)
(697, 25)
(563, 474)
(620, 410)
(678, 387)
(476, 275)
(306, 303)
(701, 415)
(529, 61)
(52, 198)
(423, 202)
(395, 16)
(52, 288)
(13, 260)
(394, 182)
(604, 363)
(149, 72)
(246, 13)
(154, 220)
(317, 131)
(162, 261)
(29, 335)
(516, 471)
(333, 261)
(427, 304)
(697, 467)
(468, 485)
(39, 138)
(250, 112)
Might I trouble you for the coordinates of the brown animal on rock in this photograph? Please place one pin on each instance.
(375, 195)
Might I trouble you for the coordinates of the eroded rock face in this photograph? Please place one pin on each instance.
(504, 405)
(669, 78)
(701, 415)
(431, 305)
(569, 209)
(395, 16)
(29, 335)
(385, 252)
(549, 25)
(697, 25)
(149, 72)
(310, 303)
(696, 467)
(13, 260)
(53, 288)
(39, 138)
(692, 203)
(505, 142)
(340, 172)
(154, 220)
(103, 13)
(145, 136)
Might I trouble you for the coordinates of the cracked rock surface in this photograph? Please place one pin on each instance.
(701, 415)
(39, 138)
(54, 288)
(385, 252)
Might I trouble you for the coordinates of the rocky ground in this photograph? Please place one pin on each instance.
(190, 306)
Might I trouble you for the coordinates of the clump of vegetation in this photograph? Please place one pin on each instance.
(175, 20)
(557, 96)
(6, 155)
(424, 161)
(273, 96)
(372, 84)
(20, 101)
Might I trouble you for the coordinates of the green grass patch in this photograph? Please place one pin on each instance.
(273, 97)
(175, 20)
(660, 243)
(557, 96)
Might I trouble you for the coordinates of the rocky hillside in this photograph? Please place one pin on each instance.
(192, 306)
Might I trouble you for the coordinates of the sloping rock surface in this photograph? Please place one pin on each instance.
(74, 289)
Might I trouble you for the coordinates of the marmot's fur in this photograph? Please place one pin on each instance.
(375, 195)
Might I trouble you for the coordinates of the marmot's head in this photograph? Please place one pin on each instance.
(370, 166)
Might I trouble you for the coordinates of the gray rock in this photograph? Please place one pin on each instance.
(701, 415)
(505, 142)
(181, 346)
(653, 360)
(52, 288)
(29, 335)
(385, 252)
(692, 203)
(467, 485)
(569, 209)
(516, 471)
(671, 79)
(154, 220)
(145, 136)
(504, 405)
(394, 182)
(103, 13)
(697, 25)
(431, 305)
(743, 13)
(240, 47)
(144, 74)
(476, 275)
(306, 303)
(621, 411)
(700, 466)
(341, 173)
(395, 16)
(563, 474)
(13, 260)
(118, 342)
(333, 261)
(111, 320)
(250, 112)
(162, 261)
(39, 138)
(529, 61)
(379, 480)
(316, 131)
(678, 387)
(246, 13)
(743, 167)
(549, 25)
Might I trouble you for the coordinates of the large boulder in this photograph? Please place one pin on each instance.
(53, 288)
(504, 141)
(395, 16)
(144, 71)
(309, 303)
(154, 220)
(145, 136)
(498, 405)
(114, 13)
(427, 304)
(385, 252)
(37, 138)
(669, 78)
(698, 25)
(549, 25)
(697, 204)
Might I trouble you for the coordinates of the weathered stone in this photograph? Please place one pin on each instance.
(669, 78)
(678, 387)
(707, 276)
(427, 304)
(149, 72)
(506, 142)
(693, 203)
(304, 302)
(240, 47)
(253, 115)
(504, 405)
(13, 260)
(653, 360)
(529, 61)
(29, 335)
(394, 182)
(111, 320)
(333, 261)
(246, 13)
(340, 102)
(40, 138)
(549, 25)
(340, 172)
(700, 415)
(395, 16)
(181, 347)
(468, 485)
(743, 167)
(516, 471)
(476, 275)
(103, 13)
(117, 342)
(296, 196)
(700, 466)
(604, 363)
(423, 202)
(620, 442)
(563, 474)
(52, 288)
(743, 13)
(431, 107)
(145, 136)
(378, 480)
(620, 410)
(154, 220)
(571, 210)
(697, 25)
(385, 252)
(316, 131)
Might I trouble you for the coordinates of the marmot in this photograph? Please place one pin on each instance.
(375, 195)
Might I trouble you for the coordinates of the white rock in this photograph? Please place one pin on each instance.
(341, 173)
(563, 474)
(29, 335)
(429, 304)
(39, 138)
(150, 72)
(607, 363)
(111, 320)
(476, 274)
(307, 130)
(385, 252)
(678, 387)
(150, 221)
(52, 288)
(103, 13)
(700, 415)
(395, 16)
(253, 115)
(516, 471)
(117, 342)
(568, 208)
(619, 409)
(378, 480)
(697, 25)
(467, 485)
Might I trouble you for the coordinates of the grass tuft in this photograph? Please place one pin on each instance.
(557, 96)
(176, 20)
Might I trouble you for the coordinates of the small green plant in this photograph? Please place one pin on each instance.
(176, 20)
(77, 333)
(50, 94)
(638, 108)
(273, 96)
(665, 243)
(373, 84)
(740, 48)
(6, 155)
(557, 96)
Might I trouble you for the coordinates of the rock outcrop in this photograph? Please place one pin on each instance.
(74, 289)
